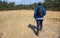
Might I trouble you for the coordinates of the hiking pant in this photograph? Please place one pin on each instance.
(39, 25)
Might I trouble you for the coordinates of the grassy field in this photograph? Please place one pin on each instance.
(14, 24)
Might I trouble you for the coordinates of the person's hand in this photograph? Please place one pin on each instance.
(34, 16)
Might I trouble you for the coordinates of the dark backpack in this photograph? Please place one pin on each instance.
(40, 12)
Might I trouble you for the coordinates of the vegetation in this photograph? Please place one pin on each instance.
(50, 5)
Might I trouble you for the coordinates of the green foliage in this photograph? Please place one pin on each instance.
(50, 5)
(5, 6)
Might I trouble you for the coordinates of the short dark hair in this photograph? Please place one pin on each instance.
(39, 3)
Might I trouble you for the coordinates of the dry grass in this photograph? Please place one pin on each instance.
(14, 24)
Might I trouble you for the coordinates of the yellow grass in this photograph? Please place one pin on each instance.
(14, 24)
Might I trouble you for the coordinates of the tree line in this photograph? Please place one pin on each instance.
(51, 5)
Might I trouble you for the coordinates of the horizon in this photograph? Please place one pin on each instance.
(23, 1)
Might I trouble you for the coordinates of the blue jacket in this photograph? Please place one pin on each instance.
(44, 12)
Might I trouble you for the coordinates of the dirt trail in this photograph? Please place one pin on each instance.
(14, 24)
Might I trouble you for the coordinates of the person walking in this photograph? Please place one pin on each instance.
(39, 14)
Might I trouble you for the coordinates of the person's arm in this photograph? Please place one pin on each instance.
(35, 12)
(44, 11)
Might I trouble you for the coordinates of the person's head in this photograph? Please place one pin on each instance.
(39, 3)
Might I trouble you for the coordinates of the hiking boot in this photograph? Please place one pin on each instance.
(37, 34)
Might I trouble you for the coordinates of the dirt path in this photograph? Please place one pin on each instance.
(14, 24)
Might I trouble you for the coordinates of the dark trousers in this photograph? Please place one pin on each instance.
(39, 25)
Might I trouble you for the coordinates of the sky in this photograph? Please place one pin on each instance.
(24, 1)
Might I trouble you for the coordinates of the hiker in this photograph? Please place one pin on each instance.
(39, 14)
